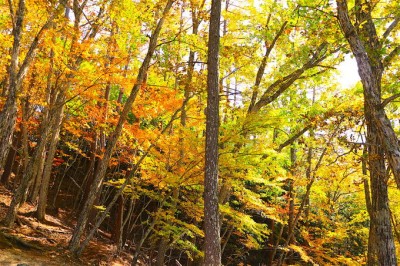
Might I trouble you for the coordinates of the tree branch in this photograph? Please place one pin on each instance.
(387, 60)
(391, 27)
(293, 138)
(32, 50)
(388, 100)
(283, 84)
(12, 13)
(263, 65)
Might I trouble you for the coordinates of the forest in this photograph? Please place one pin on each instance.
(194, 132)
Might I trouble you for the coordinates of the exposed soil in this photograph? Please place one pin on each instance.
(30, 242)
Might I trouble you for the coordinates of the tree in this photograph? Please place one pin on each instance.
(17, 73)
(212, 245)
(382, 141)
(113, 138)
(9, 113)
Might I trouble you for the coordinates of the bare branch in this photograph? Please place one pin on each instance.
(391, 27)
(388, 100)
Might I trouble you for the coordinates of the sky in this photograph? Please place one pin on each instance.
(348, 73)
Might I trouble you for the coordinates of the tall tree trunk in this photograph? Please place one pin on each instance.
(100, 138)
(381, 139)
(212, 245)
(44, 188)
(26, 179)
(9, 112)
(291, 195)
(381, 247)
(24, 146)
(372, 247)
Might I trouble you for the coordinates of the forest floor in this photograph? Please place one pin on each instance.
(30, 242)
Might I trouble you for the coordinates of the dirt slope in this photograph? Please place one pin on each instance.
(33, 243)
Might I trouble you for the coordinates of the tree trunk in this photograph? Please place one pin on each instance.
(7, 123)
(125, 224)
(37, 178)
(9, 112)
(5, 177)
(381, 139)
(26, 179)
(118, 220)
(381, 248)
(276, 245)
(90, 173)
(44, 188)
(24, 144)
(293, 159)
(212, 244)
(162, 249)
(291, 195)
(370, 68)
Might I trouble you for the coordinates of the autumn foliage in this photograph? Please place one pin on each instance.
(103, 110)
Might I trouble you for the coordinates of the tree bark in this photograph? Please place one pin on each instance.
(162, 249)
(212, 245)
(118, 224)
(381, 247)
(37, 178)
(5, 177)
(32, 167)
(293, 159)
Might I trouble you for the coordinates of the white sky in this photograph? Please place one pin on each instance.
(348, 73)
